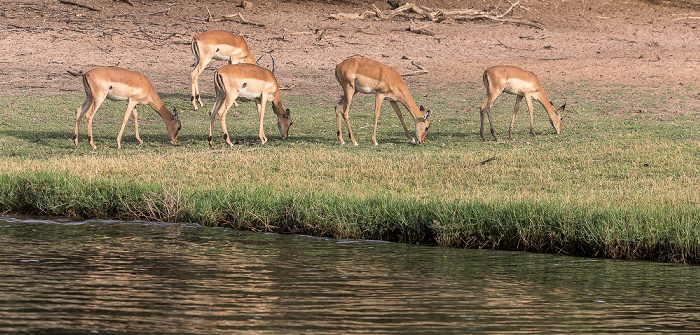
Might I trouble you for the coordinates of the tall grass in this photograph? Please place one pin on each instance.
(617, 183)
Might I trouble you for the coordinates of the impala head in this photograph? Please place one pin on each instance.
(284, 121)
(174, 127)
(557, 126)
(422, 126)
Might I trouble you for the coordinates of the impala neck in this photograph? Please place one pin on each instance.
(277, 104)
(551, 111)
(163, 111)
(407, 101)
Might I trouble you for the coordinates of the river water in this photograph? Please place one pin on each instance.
(109, 277)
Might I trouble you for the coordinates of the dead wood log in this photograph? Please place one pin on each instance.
(379, 12)
(463, 14)
(471, 165)
(289, 87)
(418, 72)
(419, 30)
(73, 3)
(353, 16)
(244, 21)
(436, 15)
(233, 17)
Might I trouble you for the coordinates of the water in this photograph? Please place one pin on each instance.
(109, 277)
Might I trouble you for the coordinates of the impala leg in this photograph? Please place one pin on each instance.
(212, 116)
(528, 100)
(220, 97)
(349, 93)
(78, 115)
(230, 100)
(481, 113)
(338, 117)
(486, 110)
(377, 106)
(261, 114)
(490, 115)
(194, 78)
(395, 105)
(96, 103)
(129, 108)
(518, 100)
(136, 125)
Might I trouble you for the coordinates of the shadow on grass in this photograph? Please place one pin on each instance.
(31, 143)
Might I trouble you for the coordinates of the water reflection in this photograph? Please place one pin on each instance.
(61, 275)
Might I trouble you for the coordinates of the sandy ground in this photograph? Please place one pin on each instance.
(650, 44)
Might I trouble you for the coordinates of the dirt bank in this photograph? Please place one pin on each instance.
(647, 43)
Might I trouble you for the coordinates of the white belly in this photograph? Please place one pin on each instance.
(113, 97)
(218, 56)
(365, 90)
(245, 95)
(509, 90)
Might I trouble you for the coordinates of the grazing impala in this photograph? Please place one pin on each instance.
(219, 45)
(371, 77)
(247, 82)
(119, 84)
(521, 83)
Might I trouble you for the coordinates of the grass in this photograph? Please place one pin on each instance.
(619, 182)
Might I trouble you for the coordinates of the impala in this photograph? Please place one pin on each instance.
(119, 84)
(521, 83)
(219, 45)
(247, 82)
(371, 77)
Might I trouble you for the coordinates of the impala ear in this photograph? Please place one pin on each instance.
(287, 113)
(422, 109)
(175, 114)
(427, 115)
(561, 109)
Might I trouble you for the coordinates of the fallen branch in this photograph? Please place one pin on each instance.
(289, 87)
(231, 17)
(686, 18)
(418, 72)
(244, 21)
(497, 19)
(379, 12)
(347, 16)
(436, 15)
(471, 165)
(73, 3)
(419, 30)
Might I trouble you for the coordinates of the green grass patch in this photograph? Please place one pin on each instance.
(620, 181)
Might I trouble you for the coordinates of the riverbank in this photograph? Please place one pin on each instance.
(628, 192)
(658, 233)
(621, 181)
